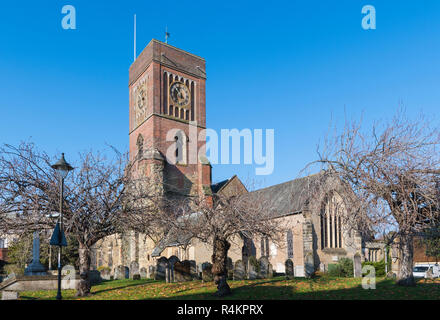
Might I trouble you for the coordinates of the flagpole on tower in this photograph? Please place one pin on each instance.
(134, 55)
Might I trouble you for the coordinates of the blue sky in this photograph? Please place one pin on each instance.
(287, 65)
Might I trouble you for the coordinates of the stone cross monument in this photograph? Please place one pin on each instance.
(35, 268)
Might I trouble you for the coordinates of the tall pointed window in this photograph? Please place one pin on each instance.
(181, 147)
(289, 240)
(331, 224)
(140, 147)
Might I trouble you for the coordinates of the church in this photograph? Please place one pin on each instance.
(167, 107)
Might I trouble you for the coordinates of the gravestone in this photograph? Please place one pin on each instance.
(289, 269)
(152, 272)
(299, 271)
(143, 273)
(322, 267)
(182, 271)
(207, 275)
(94, 276)
(309, 267)
(134, 270)
(193, 265)
(168, 274)
(239, 270)
(230, 268)
(357, 266)
(172, 261)
(9, 295)
(106, 274)
(121, 272)
(161, 266)
(252, 271)
(264, 267)
(270, 271)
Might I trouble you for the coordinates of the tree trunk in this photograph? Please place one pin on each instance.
(406, 248)
(219, 266)
(84, 286)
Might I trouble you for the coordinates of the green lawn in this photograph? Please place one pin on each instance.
(276, 288)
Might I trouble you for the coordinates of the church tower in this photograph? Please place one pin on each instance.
(168, 118)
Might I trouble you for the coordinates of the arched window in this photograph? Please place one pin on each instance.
(140, 146)
(265, 246)
(331, 223)
(289, 240)
(192, 101)
(181, 147)
(165, 93)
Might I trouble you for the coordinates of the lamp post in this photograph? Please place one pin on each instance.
(62, 168)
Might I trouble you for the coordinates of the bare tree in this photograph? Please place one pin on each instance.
(394, 172)
(217, 221)
(95, 195)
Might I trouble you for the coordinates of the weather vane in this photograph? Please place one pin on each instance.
(167, 35)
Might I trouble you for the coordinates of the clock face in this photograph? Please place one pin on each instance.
(140, 103)
(179, 93)
(141, 97)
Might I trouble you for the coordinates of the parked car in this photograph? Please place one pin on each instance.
(422, 270)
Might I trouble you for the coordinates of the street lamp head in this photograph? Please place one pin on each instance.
(62, 167)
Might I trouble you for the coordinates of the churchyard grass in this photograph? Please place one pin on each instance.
(276, 288)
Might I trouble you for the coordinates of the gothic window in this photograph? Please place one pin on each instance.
(181, 147)
(165, 94)
(267, 247)
(192, 101)
(339, 232)
(140, 146)
(323, 230)
(331, 226)
(2, 243)
(331, 230)
(289, 244)
(110, 256)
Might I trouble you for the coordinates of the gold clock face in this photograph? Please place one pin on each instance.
(140, 103)
(141, 98)
(179, 94)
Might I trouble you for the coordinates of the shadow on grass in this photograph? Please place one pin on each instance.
(123, 286)
(385, 290)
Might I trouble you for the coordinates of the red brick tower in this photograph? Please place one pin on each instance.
(167, 118)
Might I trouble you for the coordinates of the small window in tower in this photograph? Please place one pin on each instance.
(181, 147)
(140, 146)
(176, 138)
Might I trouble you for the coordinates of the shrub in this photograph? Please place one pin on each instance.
(378, 266)
(346, 267)
(342, 269)
(13, 268)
